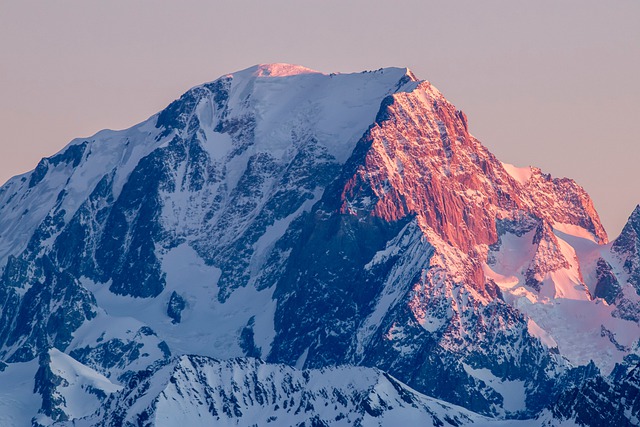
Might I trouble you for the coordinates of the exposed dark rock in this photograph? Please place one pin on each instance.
(175, 306)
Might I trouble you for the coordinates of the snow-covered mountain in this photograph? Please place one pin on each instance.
(314, 221)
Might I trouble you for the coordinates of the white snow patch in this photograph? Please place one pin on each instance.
(505, 282)
(217, 144)
(522, 175)
(18, 402)
(275, 231)
(80, 382)
(208, 327)
(105, 327)
(563, 314)
(509, 264)
(541, 334)
(574, 230)
(302, 359)
(565, 282)
(512, 392)
(577, 328)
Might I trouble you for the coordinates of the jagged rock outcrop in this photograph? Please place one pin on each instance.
(613, 401)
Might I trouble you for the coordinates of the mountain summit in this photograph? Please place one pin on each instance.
(318, 221)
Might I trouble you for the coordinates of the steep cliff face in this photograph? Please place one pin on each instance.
(423, 161)
(314, 220)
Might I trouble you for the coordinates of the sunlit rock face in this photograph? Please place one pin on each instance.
(315, 221)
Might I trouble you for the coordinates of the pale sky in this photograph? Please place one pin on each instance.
(548, 83)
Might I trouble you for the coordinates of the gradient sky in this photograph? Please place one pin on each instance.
(555, 84)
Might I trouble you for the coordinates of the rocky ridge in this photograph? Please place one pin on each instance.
(195, 390)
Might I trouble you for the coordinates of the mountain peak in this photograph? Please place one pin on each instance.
(277, 69)
(635, 215)
(626, 244)
(632, 224)
(281, 69)
(311, 219)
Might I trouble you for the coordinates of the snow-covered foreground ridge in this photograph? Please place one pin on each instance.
(312, 220)
(196, 390)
